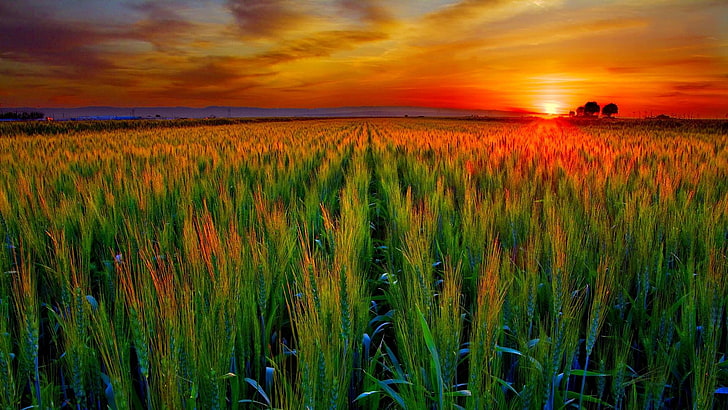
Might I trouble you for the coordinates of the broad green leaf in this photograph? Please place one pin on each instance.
(580, 372)
(257, 387)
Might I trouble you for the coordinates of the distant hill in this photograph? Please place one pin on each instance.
(220, 112)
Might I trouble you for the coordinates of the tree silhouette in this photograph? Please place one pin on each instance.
(610, 109)
(33, 115)
(580, 111)
(591, 108)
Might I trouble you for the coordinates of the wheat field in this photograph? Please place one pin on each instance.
(364, 263)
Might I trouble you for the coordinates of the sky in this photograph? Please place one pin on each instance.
(648, 57)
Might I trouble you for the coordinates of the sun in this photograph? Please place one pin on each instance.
(551, 107)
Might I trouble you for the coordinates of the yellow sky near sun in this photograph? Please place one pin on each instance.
(657, 56)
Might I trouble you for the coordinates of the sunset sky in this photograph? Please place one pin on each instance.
(548, 55)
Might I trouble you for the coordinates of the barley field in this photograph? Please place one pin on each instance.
(364, 263)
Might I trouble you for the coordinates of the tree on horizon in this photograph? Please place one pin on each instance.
(610, 109)
(591, 108)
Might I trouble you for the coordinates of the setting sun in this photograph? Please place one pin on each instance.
(551, 107)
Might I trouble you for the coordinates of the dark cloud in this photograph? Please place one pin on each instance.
(214, 71)
(77, 48)
(670, 95)
(203, 79)
(35, 37)
(197, 94)
(307, 86)
(625, 70)
(368, 11)
(191, 96)
(257, 18)
(80, 49)
(319, 44)
(161, 25)
(464, 9)
(695, 86)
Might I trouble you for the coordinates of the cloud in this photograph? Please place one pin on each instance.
(192, 96)
(625, 70)
(202, 81)
(266, 18)
(480, 20)
(213, 71)
(35, 37)
(368, 11)
(695, 86)
(319, 44)
(80, 48)
(161, 25)
(465, 9)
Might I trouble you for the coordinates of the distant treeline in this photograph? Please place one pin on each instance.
(64, 127)
(33, 115)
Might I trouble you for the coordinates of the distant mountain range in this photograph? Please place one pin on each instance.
(236, 112)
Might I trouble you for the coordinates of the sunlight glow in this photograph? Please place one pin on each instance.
(551, 107)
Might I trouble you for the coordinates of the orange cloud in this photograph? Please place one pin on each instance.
(266, 18)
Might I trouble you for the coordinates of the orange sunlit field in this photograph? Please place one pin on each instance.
(364, 263)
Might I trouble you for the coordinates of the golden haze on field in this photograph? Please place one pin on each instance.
(547, 56)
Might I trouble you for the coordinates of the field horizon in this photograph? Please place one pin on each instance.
(214, 111)
(176, 112)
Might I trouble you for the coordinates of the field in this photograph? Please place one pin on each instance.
(364, 263)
